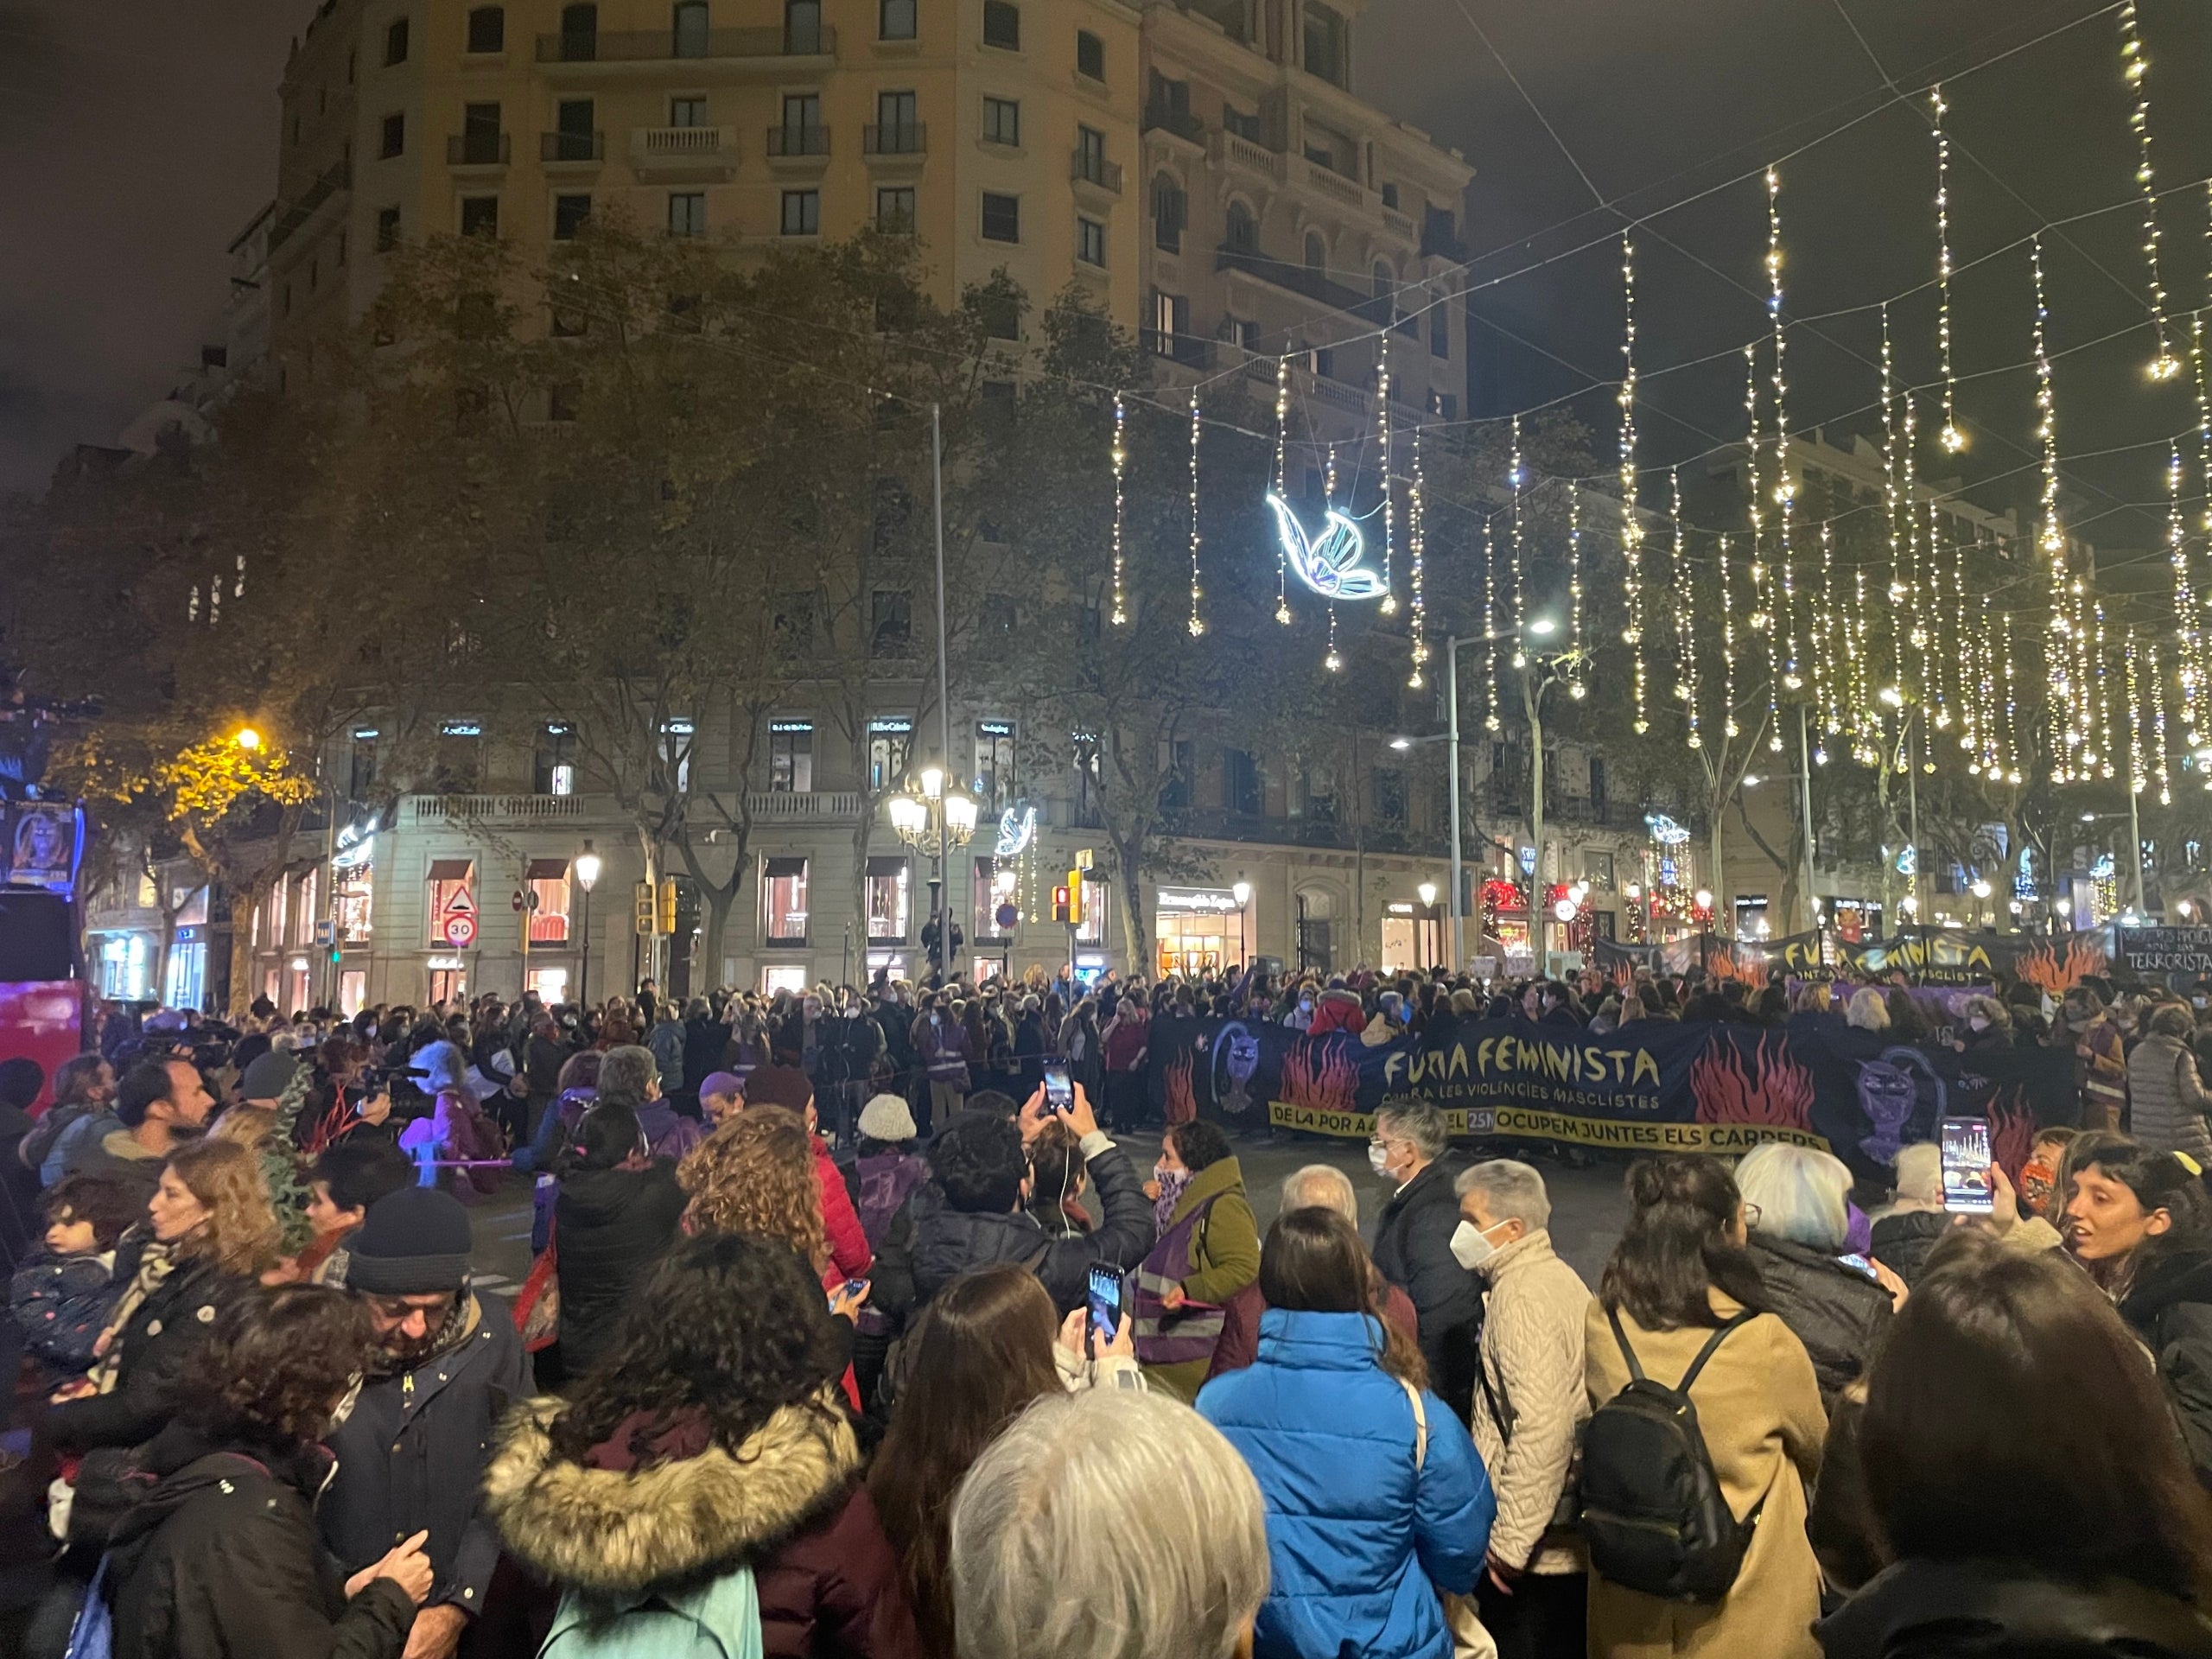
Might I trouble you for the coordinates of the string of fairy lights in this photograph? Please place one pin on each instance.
(1869, 634)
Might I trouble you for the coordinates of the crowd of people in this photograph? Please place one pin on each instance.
(845, 1337)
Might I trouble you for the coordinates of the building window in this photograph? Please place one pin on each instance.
(790, 756)
(1390, 797)
(548, 889)
(1241, 790)
(802, 213)
(672, 764)
(481, 137)
(998, 407)
(394, 141)
(1002, 25)
(898, 130)
(889, 900)
(361, 774)
(894, 20)
(554, 767)
(995, 616)
(1091, 155)
(395, 42)
(792, 621)
(890, 740)
(1328, 44)
(355, 889)
(488, 29)
(1317, 252)
(803, 133)
(1243, 228)
(691, 35)
(783, 901)
(689, 111)
(576, 138)
(453, 903)
(1090, 242)
(570, 213)
(459, 756)
(1245, 332)
(579, 33)
(993, 765)
(1090, 54)
(895, 210)
(1001, 121)
(306, 914)
(1599, 794)
(1001, 218)
(1171, 212)
(480, 216)
(387, 229)
(1439, 331)
(1170, 320)
(1245, 126)
(687, 212)
(803, 28)
(890, 621)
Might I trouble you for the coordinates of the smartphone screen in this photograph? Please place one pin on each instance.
(1855, 1259)
(1965, 1166)
(1059, 1092)
(1105, 1301)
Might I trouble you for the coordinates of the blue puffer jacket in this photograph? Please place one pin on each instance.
(1358, 1541)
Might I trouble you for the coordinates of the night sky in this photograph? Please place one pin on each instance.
(135, 138)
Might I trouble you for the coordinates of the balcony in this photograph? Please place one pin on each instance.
(1246, 156)
(1176, 123)
(337, 178)
(1189, 350)
(478, 150)
(1330, 183)
(841, 806)
(1096, 172)
(1297, 279)
(794, 144)
(571, 149)
(617, 51)
(906, 138)
(686, 152)
(495, 809)
(1439, 239)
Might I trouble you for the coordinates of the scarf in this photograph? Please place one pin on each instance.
(156, 1263)
(1171, 1183)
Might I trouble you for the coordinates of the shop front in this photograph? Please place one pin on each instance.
(1202, 930)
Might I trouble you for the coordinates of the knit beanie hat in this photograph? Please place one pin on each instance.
(887, 1118)
(412, 1242)
(268, 1077)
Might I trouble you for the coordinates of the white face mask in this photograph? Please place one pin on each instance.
(1378, 1159)
(1978, 1021)
(1471, 1245)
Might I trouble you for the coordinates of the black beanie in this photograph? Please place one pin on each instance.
(413, 1242)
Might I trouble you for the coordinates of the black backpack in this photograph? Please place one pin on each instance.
(1653, 1513)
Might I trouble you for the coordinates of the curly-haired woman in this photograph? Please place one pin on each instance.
(209, 1233)
(702, 1474)
(220, 1556)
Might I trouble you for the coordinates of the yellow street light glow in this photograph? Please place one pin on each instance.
(247, 738)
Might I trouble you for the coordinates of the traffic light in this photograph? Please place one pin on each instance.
(1075, 896)
(337, 955)
(667, 905)
(643, 899)
(1063, 906)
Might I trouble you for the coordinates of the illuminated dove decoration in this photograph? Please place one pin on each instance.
(1331, 566)
(1015, 832)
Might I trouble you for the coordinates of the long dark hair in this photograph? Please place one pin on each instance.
(606, 1135)
(730, 1328)
(1313, 1262)
(1675, 1250)
(2159, 1181)
(2005, 1374)
(982, 1353)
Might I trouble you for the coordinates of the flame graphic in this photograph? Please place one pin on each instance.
(2012, 1130)
(1178, 1104)
(2058, 972)
(1778, 1095)
(1316, 1074)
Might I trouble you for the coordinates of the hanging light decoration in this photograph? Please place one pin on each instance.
(1517, 477)
(1829, 687)
(2136, 66)
(1761, 620)
(1632, 525)
(1941, 662)
(2189, 637)
(1331, 661)
(1282, 486)
(1389, 606)
(2051, 536)
(1575, 688)
(2139, 772)
(1785, 482)
(2099, 683)
(2009, 751)
(1198, 593)
(1417, 543)
(1950, 437)
(1120, 454)
(1728, 728)
(2159, 767)
(1490, 622)
(1685, 619)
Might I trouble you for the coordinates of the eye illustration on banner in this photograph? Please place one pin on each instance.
(1016, 831)
(1330, 567)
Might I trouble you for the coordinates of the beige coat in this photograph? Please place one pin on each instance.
(1532, 1349)
(1759, 1409)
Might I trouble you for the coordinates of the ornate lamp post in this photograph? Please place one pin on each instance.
(937, 822)
(587, 868)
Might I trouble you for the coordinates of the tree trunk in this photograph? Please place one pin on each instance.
(241, 988)
(1128, 859)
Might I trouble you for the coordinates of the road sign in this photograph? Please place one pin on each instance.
(323, 932)
(515, 902)
(1005, 916)
(460, 929)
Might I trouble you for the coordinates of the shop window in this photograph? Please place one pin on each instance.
(549, 887)
(889, 900)
(994, 766)
(353, 991)
(790, 756)
(790, 977)
(361, 774)
(309, 911)
(890, 740)
(1097, 909)
(453, 903)
(356, 887)
(783, 901)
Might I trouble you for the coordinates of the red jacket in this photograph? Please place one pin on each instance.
(849, 1255)
(1337, 1011)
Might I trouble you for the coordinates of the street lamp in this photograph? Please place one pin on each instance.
(587, 868)
(934, 821)
(1703, 899)
(247, 738)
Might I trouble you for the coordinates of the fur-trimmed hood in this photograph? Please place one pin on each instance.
(620, 1532)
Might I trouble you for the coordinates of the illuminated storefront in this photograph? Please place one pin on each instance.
(1199, 930)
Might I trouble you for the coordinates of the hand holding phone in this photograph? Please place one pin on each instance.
(1966, 1188)
(1059, 1092)
(1104, 1304)
(846, 1300)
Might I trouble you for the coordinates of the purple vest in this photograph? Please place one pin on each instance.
(1187, 1333)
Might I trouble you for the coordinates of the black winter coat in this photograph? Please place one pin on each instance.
(1413, 1249)
(164, 1331)
(705, 1041)
(412, 1454)
(948, 1242)
(1902, 1241)
(2170, 1308)
(1840, 1314)
(1989, 1610)
(610, 1228)
(221, 1560)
